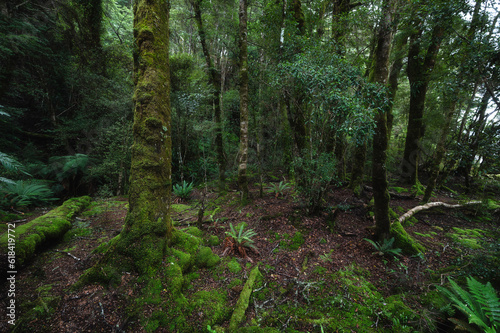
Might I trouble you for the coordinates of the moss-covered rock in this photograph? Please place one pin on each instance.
(44, 230)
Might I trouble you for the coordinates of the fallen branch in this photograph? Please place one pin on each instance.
(17, 221)
(430, 205)
(69, 254)
(243, 300)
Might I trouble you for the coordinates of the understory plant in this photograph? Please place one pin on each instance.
(25, 193)
(183, 190)
(480, 304)
(239, 241)
(385, 248)
(278, 189)
(314, 173)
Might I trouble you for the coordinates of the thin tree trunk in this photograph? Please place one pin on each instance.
(214, 79)
(449, 106)
(418, 75)
(380, 139)
(243, 151)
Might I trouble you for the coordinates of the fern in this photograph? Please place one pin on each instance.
(480, 304)
(25, 193)
(385, 248)
(183, 191)
(9, 163)
(242, 238)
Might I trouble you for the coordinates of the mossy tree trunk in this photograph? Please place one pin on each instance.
(380, 139)
(214, 79)
(243, 152)
(420, 65)
(148, 226)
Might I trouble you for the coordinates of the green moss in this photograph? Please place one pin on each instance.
(206, 258)
(469, 238)
(235, 282)
(193, 231)
(410, 222)
(243, 300)
(183, 259)
(296, 241)
(257, 329)
(213, 306)
(44, 229)
(179, 208)
(186, 242)
(234, 266)
(213, 240)
(404, 241)
(398, 189)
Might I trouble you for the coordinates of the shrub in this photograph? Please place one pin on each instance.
(314, 174)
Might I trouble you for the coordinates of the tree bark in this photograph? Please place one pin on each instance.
(419, 76)
(148, 227)
(380, 139)
(449, 106)
(243, 151)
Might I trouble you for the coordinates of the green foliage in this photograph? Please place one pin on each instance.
(10, 164)
(386, 248)
(183, 190)
(314, 174)
(480, 304)
(25, 193)
(240, 237)
(278, 189)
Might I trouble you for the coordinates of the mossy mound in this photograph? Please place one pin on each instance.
(404, 241)
(44, 229)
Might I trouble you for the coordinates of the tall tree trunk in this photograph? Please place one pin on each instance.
(243, 152)
(477, 129)
(148, 227)
(380, 139)
(419, 76)
(214, 79)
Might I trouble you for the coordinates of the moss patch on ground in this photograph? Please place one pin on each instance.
(343, 302)
(469, 238)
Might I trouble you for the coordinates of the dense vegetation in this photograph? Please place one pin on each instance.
(298, 98)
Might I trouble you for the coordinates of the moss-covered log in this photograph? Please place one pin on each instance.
(242, 304)
(42, 230)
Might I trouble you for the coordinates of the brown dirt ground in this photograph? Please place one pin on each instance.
(99, 309)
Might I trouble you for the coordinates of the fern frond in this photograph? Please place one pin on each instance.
(6, 180)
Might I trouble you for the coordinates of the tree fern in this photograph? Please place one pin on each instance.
(480, 304)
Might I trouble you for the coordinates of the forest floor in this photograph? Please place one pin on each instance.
(300, 258)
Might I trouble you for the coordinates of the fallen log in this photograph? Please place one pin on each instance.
(243, 300)
(430, 205)
(25, 239)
